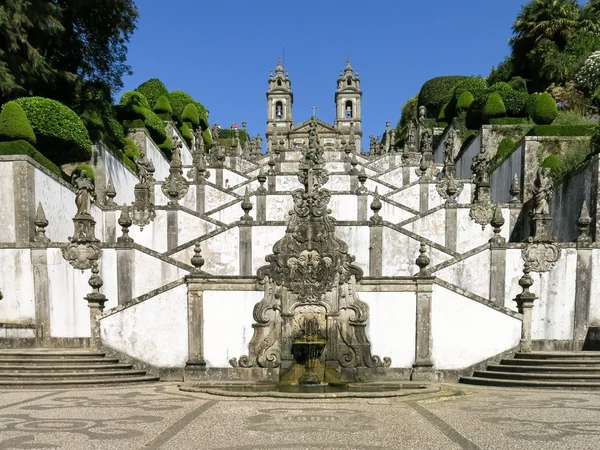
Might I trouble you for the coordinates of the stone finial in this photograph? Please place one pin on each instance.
(353, 164)
(125, 222)
(376, 207)
(583, 223)
(497, 222)
(525, 301)
(515, 190)
(362, 178)
(110, 194)
(40, 223)
(176, 185)
(95, 299)
(262, 178)
(423, 260)
(271, 164)
(246, 207)
(197, 260)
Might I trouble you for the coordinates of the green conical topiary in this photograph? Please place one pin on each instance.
(163, 107)
(442, 114)
(190, 114)
(464, 101)
(545, 110)
(494, 107)
(186, 133)
(14, 124)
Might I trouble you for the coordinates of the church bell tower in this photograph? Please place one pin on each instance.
(348, 107)
(279, 103)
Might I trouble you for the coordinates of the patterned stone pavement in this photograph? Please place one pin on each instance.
(159, 416)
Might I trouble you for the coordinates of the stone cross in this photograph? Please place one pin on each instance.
(314, 110)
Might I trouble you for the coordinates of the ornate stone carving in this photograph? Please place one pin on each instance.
(83, 248)
(110, 194)
(175, 186)
(145, 169)
(497, 222)
(40, 223)
(362, 178)
(541, 257)
(422, 260)
(583, 224)
(449, 188)
(479, 167)
(426, 168)
(197, 260)
(376, 207)
(482, 213)
(410, 155)
(198, 172)
(262, 178)
(482, 210)
(125, 222)
(310, 266)
(515, 190)
(246, 207)
(422, 113)
(541, 220)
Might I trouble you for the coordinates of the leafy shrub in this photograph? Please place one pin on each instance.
(442, 114)
(186, 133)
(494, 107)
(564, 130)
(518, 84)
(114, 132)
(436, 92)
(505, 147)
(134, 98)
(135, 108)
(25, 148)
(509, 121)
(14, 125)
(190, 116)
(165, 147)
(153, 89)
(515, 102)
(60, 133)
(469, 84)
(464, 101)
(88, 170)
(162, 108)
(570, 118)
(545, 110)
(531, 100)
(130, 149)
(588, 76)
(179, 100)
(155, 126)
(92, 118)
(554, 163)
(208, 142)
(596, 98)
(137, 123)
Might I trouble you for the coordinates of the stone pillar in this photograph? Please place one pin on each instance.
(41, 289)
(96, 302)
(451, 226)
(124, 273)
(583, 283)
(375, 250)
(423, 366)
(272, 183)
(405, 175)
(261, 206)
(201, 197)
(497, 259)
(195, 366)
(110, 227)
(245, 249)
(525, 301)
(423, 196)
(363, 208)
(24, 198)
(219, 176)
(172, 229)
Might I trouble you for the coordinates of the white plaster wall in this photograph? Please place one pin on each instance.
(227, 325)
(278, 207)
(59, 205)
(108, 272)
(594, 317)
(553, 312)
(409, 197)
(465, 195)
(469, 233)
(502, 177)
(150, 273)
(263, 239)
(69, 313)
(153, 235)
(393, 176)
(391, 326)
(344, 207)
(400, 252)
(338, 183)
(514, 271)
(389, 212)
(471, 274)
(233, 212)
(335, 166)
(7, 202)
(16, 281)
(357, 239)
(191, 227)
(432, 226)
(161, 165)
(213, 198)
(289, 166)
(123, 180)
(465, 332)
(434, 198)
(189, 199)
(220, 253)
(154, 331)
(234, 178)
(371, 184)
(252, 187)
(287, 183)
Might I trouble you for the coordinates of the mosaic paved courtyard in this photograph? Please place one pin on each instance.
(159, 416)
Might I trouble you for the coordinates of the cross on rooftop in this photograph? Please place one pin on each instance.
(314, 109)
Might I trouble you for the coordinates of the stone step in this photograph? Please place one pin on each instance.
(536, 376)
(78, 382)
(64, 368)
(56, 361)
(544, 369)
(35, 355)
(592, 385)
(74, 374)
(559, 355)
(552, 362)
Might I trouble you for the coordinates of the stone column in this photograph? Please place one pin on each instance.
(272, 183)
(41, 289)
(451, 225)
(423, 196)
(201, 197)
(195, 366)
(375, 250)
(583, 283)
(363, 208)
(24, 198)
(261, 206)
(124, 273)
(245, 249)
(497, 259)
(525, 301)
(219, 176)
(172, 229)
(96, 302)
(405, 175)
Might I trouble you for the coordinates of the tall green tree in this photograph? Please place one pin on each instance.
(53, 47)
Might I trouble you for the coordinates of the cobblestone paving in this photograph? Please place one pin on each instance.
(159, 416)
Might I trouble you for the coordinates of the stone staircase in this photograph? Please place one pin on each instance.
(44, 368)
(568, 370)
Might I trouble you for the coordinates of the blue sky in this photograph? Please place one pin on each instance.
(221, 52)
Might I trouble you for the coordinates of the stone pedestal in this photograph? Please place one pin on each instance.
(375, 248)
(39, 262)
(195, 362)
(422, 369)
(172, 229)
(541, 228)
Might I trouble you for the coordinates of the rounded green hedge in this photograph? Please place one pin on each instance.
(515, 102)
(179, 100)
(14, 124)
(60, 133)
(554, 163)
(163, 108)
(494, 107)
(435, 93)
(186, 133)
(518, 84)
(464, 101)
(531, 104)
(505, 147)
(87, 169)
(153, 89)
(442, 114)
(25, 148)
(114, 132)
(545, 110)
(130, 149)
(155, 126)
(190, 114)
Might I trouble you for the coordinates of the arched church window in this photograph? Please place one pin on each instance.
(279, 110)
(349, 82)
(348, 110)
(278, 82)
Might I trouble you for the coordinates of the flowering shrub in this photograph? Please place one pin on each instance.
(588, 77)
(568, 98)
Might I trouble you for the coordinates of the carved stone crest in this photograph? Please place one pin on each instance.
(482, 213)
(175, 186)
(449, 188)
(541, 257)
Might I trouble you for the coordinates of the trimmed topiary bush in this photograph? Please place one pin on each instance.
(436, 92)
(114, 132)
(186, 133)
(208, 142)
(134, 98)
(494, 107)
(165, 147)
(155, 126)
(442, 114)
(562, 130)
(25, 148)
(153, 89)
(515, 102)
(505, 147)
(88, 170)
(531, 104)
(163, 108)
(60, 133)
(190, 116)
(14, 125)
(545, 110)
(130, 149)
(518, 84)
(464, 101)
(179, 100)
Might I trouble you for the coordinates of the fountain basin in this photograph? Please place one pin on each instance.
(320, 391)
